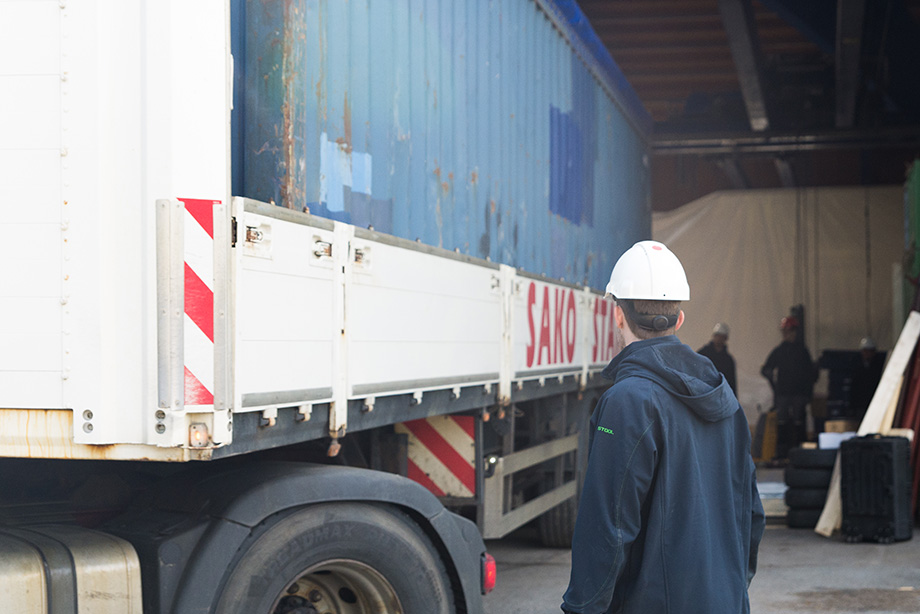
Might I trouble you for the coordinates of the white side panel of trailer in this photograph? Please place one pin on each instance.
(284, 314)
(417, 320)
(559, 329)
(30, 205)
(105, 107)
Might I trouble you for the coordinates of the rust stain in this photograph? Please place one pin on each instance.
(474, 177)
(492, 206)
(445, 186)
(287, 123)
(450, 177)
(437, 172)
(48, 433)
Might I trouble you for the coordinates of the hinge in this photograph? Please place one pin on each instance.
(232, 232)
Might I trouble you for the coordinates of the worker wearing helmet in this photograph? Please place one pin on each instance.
(792, 375)
(717, 351)
(669, 518)
(864, 377)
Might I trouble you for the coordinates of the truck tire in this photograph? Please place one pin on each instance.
(804, 458)
(807, 478)
(802, 519)
(351, 558)
(806, 498)
(558, 524)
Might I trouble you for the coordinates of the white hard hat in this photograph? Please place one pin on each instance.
(649, 271)
(720, 329)
(867, 343)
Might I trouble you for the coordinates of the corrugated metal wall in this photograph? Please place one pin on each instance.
(466, 124)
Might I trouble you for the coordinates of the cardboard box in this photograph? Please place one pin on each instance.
(840, 426)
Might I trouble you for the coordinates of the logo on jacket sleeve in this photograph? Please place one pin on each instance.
(604, 429)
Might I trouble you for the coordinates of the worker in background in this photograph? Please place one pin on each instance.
(670, 518)
(865, 377)
(717, 351)
(792, 374)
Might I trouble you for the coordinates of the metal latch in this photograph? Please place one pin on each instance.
(322, 249)
(254, 235)
(258, 240)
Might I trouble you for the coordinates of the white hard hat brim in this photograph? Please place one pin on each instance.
(649, 271)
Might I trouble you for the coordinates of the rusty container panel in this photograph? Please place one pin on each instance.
(500, 129)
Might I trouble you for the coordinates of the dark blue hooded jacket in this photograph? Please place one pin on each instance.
(670, 518)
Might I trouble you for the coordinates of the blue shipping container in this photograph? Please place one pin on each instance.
(499, 128)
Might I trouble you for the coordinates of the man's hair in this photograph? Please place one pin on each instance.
(644, 307)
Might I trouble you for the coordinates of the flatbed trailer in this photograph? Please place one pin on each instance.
(322, 393)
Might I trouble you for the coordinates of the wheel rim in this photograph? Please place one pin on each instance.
(340, 586)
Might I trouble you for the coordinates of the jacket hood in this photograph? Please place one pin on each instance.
(679, 370)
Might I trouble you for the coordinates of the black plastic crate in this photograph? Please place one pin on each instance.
(875, 487)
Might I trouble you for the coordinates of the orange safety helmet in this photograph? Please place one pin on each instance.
(789, 323)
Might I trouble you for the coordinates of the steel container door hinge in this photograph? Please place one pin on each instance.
(232, 232)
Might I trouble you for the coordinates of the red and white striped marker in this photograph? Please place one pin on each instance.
(199, 301)
(442, 454)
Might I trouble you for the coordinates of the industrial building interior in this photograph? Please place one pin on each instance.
(761, 109)
(769, 93)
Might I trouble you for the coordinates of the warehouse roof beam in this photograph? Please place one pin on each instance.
(850, 17)
(738, 17)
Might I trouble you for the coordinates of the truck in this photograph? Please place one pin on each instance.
(300, 297)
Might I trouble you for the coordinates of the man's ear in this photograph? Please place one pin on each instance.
(618, 316)
(680, 320)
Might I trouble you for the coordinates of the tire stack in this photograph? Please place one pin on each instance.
(808, 477)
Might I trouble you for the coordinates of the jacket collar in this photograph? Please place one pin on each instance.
(610, 371)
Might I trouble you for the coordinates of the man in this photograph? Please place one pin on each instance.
(867, 372)
(717, 351)
(792, 375)
(670, 518)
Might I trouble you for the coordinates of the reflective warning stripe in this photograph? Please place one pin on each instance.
(442, 454)
(416, 474)
(199, 301)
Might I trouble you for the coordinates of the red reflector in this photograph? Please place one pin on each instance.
(489, 573)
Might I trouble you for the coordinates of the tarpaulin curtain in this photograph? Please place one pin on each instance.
(750, 255)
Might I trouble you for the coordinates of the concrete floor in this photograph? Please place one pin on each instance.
(798, 571)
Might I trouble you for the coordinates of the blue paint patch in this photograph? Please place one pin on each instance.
(571, 182)
(361, 173)
(367, 212)
(322, 210)
(342, 168)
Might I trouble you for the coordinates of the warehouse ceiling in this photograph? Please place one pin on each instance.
(769, 93)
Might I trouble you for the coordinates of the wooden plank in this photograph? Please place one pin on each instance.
(885, 398)
(888, 418)
(832, 514)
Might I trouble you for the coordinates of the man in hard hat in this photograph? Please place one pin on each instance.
(717, 351)
(792, 375)
(866, 374)
(669, 518)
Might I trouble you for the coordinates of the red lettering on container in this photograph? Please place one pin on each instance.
(571, 321)
(559, 304)
(531, 299)
(544, 329)
(595, 348)
(558, 330)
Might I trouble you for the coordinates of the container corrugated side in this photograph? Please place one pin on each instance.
(466, 125)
